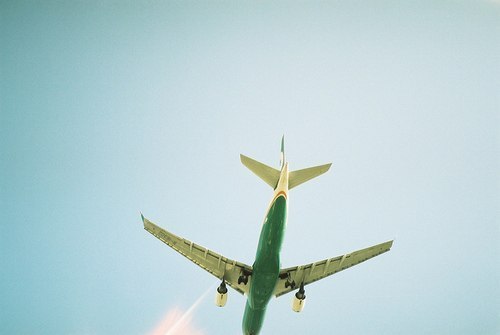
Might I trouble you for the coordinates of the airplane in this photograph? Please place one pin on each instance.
(265, 278)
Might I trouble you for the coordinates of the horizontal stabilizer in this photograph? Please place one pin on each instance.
(301, 176)
(266, 173)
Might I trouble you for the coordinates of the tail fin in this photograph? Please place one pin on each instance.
(282, 157)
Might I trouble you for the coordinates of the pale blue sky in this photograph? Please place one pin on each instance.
(111, 108)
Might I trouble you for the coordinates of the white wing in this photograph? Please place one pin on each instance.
(291, 278)
(236, 274)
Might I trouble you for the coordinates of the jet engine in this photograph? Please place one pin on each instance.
(299, 300)
(221, 295)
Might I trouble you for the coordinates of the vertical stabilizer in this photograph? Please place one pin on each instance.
(282, 157)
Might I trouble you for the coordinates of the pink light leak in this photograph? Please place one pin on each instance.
(176, 322)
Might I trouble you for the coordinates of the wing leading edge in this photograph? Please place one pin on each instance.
(291, 278)
(236, 274)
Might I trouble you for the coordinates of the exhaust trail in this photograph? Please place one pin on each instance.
(179, 322)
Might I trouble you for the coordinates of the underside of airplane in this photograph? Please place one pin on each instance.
(265, 278)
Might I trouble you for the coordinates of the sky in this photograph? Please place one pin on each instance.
(112, 108)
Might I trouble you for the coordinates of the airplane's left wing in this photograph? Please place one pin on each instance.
(291, 278)
(236, 274)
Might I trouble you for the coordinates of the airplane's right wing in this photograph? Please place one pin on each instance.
(291, 278)
(235, 274)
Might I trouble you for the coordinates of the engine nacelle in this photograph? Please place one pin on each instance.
(221, 295)
(298, 304)
(220, 299)
(299, 300)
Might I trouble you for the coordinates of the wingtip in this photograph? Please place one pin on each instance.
(389, 244)
(142, 218)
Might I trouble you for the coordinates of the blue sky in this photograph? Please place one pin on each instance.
(112, 108)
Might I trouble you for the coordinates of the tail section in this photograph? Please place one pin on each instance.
(271, 175)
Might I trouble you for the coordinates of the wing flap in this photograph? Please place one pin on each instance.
(212, 262)
(291, 278)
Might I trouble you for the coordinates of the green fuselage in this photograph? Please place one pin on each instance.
(267, 265)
